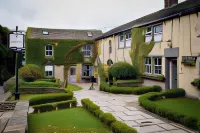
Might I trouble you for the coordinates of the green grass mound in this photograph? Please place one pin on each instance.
(73, 87)
(79, 118)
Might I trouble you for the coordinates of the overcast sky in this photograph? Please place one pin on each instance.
(74, 14)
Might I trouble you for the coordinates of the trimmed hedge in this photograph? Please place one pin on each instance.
(129, 90)
(147, 101)
(38, 84)
(107, 118)
(54, 106)
(120, 127)
(48, 80)
(123, 70)
(49, 98)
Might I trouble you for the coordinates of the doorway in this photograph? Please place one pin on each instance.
(173, 74)
(72, 74)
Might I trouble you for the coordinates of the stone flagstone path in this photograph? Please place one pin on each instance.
(125, 108)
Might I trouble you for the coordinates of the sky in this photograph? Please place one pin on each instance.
(74, 14)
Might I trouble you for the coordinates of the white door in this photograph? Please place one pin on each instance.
(72, 74)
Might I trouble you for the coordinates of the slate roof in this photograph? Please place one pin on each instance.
(184, 8)
(63, 33)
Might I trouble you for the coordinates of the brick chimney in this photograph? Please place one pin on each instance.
(169, 3)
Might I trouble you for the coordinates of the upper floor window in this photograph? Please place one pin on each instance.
(121, 37)
(48, 50)
(157, 66)
(110, 46)
(45, 32)
(87, 50)
(148, 65)
(154, 32)
(89, 34)
(128, 36)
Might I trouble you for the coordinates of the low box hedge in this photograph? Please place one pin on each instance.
(120, 127)
(53, 106)
(107, 118)
(49, 98)
(38, 84)
(48, 80)
(147, 101)
(129, 90)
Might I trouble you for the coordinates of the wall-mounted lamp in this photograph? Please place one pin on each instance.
(169, 43)
(56, 43)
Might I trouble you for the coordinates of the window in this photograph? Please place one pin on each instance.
(87, 50)
(87, 71)
(23, 57)
(148, 65)
(121, 37)
(148, 35)
(128, 36)
(110, 46)
(49, 71)
(89, 34)
(157, 66)
(49, 50)
(45, 32)
(154, 32)
(158, 33)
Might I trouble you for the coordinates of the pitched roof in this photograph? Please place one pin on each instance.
(63, 33)
(184, 8)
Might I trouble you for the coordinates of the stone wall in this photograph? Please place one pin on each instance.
(40, 90)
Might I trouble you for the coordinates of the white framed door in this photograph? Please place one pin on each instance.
(72, 74)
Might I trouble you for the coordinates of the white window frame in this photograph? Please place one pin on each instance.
(48, 55)
(148, 65)
(148, 34)
(45, 32)
(87, 50)
(157, 33)
(128, 34)
(157, 65)
(48, 69)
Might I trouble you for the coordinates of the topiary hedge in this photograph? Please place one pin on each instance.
(47, 80)
(107, 118)
(123, 70)
(49, 98)
(30, 72)
(147, 101)
(129, 90)
(38, 84)
(55, 106)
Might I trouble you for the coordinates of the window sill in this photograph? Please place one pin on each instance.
(160, 78)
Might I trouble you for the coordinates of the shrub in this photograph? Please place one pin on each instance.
(108, 118)
(129, 90)
(147, 101)
(123, 70)
(30, 72)
(99, 113)
(49, 98)
(10, 84)
(38, 84)
(196, 82)
(53, 106)
(119, 127)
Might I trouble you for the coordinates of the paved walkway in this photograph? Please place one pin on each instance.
(125, 108)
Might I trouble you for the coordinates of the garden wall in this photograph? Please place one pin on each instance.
(149, 82)
(40, 90)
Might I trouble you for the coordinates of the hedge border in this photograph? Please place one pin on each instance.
(129, 90)
(54, 106)
(147, 102)
(107, 118)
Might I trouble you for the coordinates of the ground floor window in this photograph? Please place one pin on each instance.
(157, 66)
(49, 71)
(148, 65)
(87, 71)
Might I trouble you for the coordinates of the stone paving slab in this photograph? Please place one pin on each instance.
(131, 108)
(151, 129)
(107, 109)
(131, 118)
(147, 122)
(3, 123)
(168, 126)
(118, 108)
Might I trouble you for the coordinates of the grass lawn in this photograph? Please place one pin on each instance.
(73, 87)
(186, 106)
(129, 81)
(77, 118)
